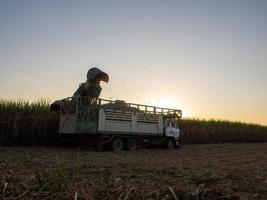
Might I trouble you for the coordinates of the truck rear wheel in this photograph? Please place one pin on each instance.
(117, 144)
(170, 144)
(131, 144)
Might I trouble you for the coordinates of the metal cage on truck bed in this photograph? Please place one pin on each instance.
(95, 115)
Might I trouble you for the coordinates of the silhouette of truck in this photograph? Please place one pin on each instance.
(118, 125)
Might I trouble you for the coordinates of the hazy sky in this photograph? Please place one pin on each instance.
(208, 58)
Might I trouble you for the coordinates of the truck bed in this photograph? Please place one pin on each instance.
(129, 122)
(98, 116)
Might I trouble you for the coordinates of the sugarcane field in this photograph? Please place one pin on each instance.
(207, 171)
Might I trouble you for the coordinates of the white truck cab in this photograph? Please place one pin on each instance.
(172, 130)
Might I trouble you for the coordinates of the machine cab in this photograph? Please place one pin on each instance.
(172, 129)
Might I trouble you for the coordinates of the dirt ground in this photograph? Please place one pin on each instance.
(217, 171)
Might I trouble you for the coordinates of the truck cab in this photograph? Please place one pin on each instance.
(172, 131)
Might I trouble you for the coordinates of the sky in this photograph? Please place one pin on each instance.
(208, 58)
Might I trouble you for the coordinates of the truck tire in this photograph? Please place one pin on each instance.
(179, 144)
(131, 144)
(117, 144)
(170, 143)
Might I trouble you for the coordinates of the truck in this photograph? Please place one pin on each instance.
(117, 125)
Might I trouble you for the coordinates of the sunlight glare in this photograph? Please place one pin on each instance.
(166, 102)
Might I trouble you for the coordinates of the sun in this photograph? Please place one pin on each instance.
(166, 102)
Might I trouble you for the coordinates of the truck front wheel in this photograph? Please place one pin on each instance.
(131, 144)
(117, 144)
(170, 143)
